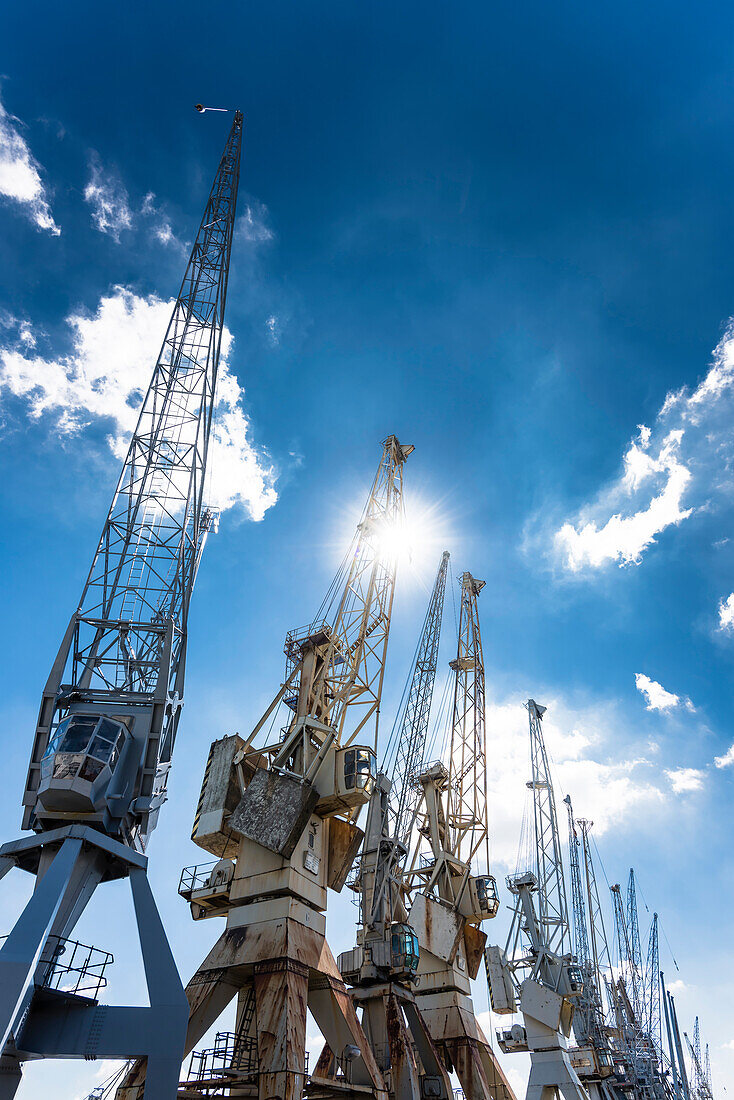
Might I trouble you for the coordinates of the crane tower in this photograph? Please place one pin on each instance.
(541, 978)
(109, 714)
(449, 884)
(381, 969)
(280, 818)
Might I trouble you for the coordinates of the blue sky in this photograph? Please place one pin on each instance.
(503, 233)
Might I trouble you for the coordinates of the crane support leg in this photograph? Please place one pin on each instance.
(281, 997)
(451, 1021)
(22, 949)
(41, 1019)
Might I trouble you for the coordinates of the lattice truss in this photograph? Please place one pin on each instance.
(466, 802)
(548, 869)
(136, 597)
(589, 936)
(408, 753)
(343, 685)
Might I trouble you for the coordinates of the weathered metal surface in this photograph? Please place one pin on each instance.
(501, 990)
(451, 1020)
(345, 839)
(541, 1003)
(438, 927)
(281, 995)
(274, 811)
(219, 796)
(474, 943)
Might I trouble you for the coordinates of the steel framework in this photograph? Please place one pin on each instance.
(110, 710)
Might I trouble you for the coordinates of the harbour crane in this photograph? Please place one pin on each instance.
(280, 818)
(381, 969)
(540, 977)
(448, 882)
(110, 711)
(700, 1067)
(591, 1058)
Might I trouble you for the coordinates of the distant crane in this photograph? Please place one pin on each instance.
(592, 1059)
(110, 710)
(540, 978)
(280, 819)
(700, 1068)
(448, 879)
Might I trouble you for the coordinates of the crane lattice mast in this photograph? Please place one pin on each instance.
(536, 971)
(551, 891)
(653, 1016)
(109, 714)
(466, 804)
(635, 950)
(410, 747)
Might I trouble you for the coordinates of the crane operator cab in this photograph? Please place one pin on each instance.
(404, 951)
(78, 764)
(575, 981)
(480, 900)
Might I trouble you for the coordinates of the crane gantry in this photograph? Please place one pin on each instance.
(110, 711)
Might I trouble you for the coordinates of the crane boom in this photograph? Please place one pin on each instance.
(125, 648)
(107, 725)
(410, 746)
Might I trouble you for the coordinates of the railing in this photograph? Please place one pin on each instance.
(195, 877)
(231, 1056)
(72, 967)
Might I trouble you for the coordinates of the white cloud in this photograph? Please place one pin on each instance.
(685, 780)
(726, 613)
(20, 176)
(164, 233)
(105, 376)
(670, 471)
(273, 329)
(162, 230)
(624, 538)
(252, 223)
(609, 789)
(657, 698)
(107, 196)
(726, 760)
(676, 987)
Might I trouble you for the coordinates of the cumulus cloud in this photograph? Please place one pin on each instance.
(685, 780)
(609, 789)
(669, 471)
(726, 760)
(20, 174)
(726, 613)
(105, 376)
(656, 697)
(107, 196)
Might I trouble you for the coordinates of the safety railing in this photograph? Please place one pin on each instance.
(73, 967)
